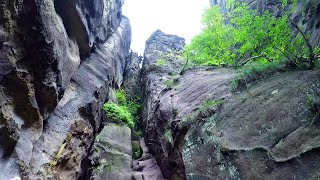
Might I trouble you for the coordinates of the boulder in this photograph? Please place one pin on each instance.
(112, 153)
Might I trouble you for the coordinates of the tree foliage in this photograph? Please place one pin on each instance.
(125, 110)
(244, 35)
(118, 112)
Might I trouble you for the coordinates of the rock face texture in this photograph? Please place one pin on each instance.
(112, 153)
(59, 62)
(146, 167)
(161, 60)
(132, 77)
(263, 133)
(196, 128)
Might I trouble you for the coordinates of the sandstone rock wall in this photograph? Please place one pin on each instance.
(162, 60)
(59, 62)
(198, 129)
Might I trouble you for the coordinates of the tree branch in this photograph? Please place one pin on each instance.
(255, 57)
(310, 47)
(304, 37)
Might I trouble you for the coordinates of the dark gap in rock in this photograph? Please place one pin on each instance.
(318, 10)
(85, 165)
(317, 14)
(7, 142)
(96, 94)
(318, 24)
(304, 21)
(47, 99)
(297, 18)
(18, 89)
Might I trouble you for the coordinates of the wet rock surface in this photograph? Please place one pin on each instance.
(162, 57)
(196, 128)
(56, 70)
(249, 136)
(146, 167)
(132, 77)
(112, 153)
(59, 67)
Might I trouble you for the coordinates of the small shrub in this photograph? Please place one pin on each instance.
(252, 72)
(210, 103)
(205, 109)
(212, 122)
(172, 81)
(116, 112)
(313, 101)
(206, 112)
(234, 84)
(133, 107)
(132, 104)
(169, 83)
(161, 62)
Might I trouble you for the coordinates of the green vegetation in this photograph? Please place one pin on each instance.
(104, 165)
(124, 110)
(255, 71)
(207, 109)
(161, 62)
(117, 112)
(170, 83)
(136, 150)
(212, 122)
(121, 97)
(168, 136)
(244, 35)
(313, 101)
(209, 103)
(115, 161)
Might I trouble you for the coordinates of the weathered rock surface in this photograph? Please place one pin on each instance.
(131, 76)
(112, 153)
(59, 67)
(83, 100)
(198, 129)
(50, 104)
(260, 134)
(89, 22)
(160, 47)
(146, 167)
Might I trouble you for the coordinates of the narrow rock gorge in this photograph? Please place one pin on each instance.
(60, 61)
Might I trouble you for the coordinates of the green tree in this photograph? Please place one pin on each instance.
(244, 35)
